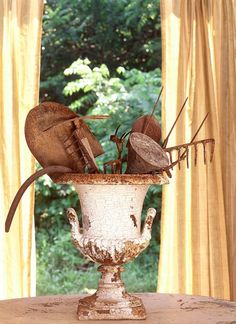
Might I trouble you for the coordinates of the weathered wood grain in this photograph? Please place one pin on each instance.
(161, 309)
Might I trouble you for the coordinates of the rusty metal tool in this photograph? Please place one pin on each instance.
(53, 169)
(116, 165)
(180, 112)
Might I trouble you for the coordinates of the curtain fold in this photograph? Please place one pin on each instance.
(20, 39)
(198, 254)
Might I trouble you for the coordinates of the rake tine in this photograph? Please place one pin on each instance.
(212, 150)
(195, 154)
(187, 157)
(204, 152)
(179, 158)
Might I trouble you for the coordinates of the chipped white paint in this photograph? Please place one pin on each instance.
(108, 210)
(111, 236)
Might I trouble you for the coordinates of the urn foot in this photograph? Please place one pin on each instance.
(110, 300)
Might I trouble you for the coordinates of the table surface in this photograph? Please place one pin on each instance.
(161, 309)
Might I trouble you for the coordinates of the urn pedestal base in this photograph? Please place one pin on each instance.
(111, 235)
(110, 300)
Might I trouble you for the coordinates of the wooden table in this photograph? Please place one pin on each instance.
(161, 309)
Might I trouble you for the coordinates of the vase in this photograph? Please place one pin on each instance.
(111, 236)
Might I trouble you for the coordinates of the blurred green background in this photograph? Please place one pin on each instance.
(98, 57)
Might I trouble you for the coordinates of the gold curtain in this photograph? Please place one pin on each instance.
(20, 36)
(198, 230)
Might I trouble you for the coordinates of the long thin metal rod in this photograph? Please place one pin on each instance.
(167, 137)
(153, 110)
(199, 128)
(47, 170)
(183, 156)
(94, 117)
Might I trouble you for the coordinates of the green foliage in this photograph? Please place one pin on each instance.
(114, 32)
(125, 98)
(51, 201)
(61, 269)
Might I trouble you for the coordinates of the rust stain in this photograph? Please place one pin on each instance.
(103, 311)
(132, 250)
(78, 178)
(116, 277)
(107, 305)
(139, 312)
(149, 221)
(124, 294)
(85, 313)
(50, 304)
(129, 251)
(86, 222)
(134, 220)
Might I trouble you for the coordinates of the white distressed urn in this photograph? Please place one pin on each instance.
(111, 235)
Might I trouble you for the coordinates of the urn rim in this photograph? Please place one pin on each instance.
(108, 179)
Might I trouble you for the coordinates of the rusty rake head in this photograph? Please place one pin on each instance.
(183, 151)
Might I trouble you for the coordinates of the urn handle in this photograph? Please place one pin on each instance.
(147, 228)
(75, 228)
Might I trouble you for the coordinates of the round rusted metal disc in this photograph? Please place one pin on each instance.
(149, 126)
(147, 155)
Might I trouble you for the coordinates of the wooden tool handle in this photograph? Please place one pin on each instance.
(48, 170)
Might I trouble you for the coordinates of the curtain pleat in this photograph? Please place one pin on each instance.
(198, 223)
(20, 39)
